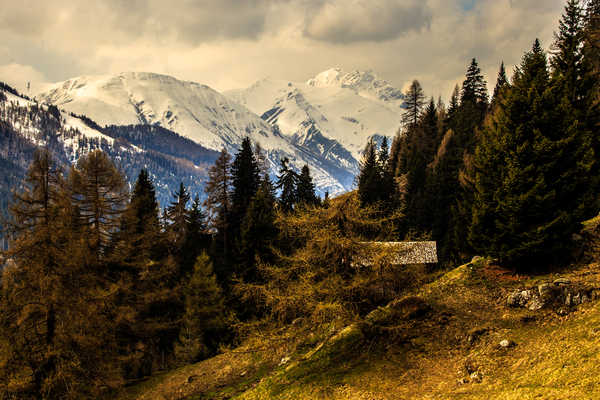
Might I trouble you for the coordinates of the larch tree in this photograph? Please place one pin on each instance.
(414, 99)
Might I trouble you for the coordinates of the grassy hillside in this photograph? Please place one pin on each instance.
(441, 341)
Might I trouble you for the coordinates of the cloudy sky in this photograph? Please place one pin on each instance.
(228, 44)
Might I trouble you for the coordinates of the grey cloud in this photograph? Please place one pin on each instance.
(348, 21)
(191, 21)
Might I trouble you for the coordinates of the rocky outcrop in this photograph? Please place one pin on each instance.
(556, 295)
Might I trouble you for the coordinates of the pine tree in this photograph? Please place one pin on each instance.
(205, 320)
(305, 188)
(451, 192)
(414, 100)
(286, 183)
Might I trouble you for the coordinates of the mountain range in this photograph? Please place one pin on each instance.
(324, 122)
(176, 128)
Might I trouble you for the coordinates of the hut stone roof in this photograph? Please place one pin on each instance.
(408, 252)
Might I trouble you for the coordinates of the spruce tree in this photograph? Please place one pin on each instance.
(140, 228)
(305, 188)
(501, 83)
(178, 216)
(474, 88)
(218, 204)
(454, 102)
(197, 238)
(286, 182)
(204, 323)
(369, 178)
(387, 175)
(245, 182)
(258, 232)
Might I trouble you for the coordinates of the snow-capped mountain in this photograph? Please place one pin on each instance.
(365, 83)
(190, 109)
(26, 125)
(333, 110)
(203, 115)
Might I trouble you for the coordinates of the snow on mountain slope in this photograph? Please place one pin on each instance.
(27, 125)
(194, 111)
(72, 130)
(348, 108)
(365, 83)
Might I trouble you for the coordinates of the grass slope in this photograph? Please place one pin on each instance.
(439, 342)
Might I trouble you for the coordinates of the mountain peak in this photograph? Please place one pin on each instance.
(366, 83)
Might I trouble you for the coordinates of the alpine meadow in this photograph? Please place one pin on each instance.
(311, 235)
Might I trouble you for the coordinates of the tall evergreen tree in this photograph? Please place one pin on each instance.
(386, 168)
(305, 188)
(414, 99)
(501, 83)
(218, 204)
(205, 320)
(245, 182)
(454, 102)
(258, 232)
(369, 178)
(286, 183)
(179, 218)
(474, 88)
(140, 228)
(197, 238)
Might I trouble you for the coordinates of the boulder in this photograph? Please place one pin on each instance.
(505, 344)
